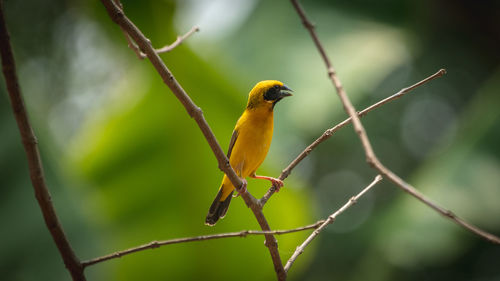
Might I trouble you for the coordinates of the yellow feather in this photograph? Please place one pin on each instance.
(253, 133)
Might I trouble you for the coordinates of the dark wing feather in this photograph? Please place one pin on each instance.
(231, 143)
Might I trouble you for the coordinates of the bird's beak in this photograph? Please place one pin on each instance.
(285, 91)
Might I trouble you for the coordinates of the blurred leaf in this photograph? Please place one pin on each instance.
(151, 175)
(462, 178)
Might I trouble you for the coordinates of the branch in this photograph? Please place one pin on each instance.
(33, 156)
(329, 220)
(178, 41)
(328, 133)
(165, 49)
(442, 211)
(117, 15)
(157, 244)
(371, 158)
(348, 107)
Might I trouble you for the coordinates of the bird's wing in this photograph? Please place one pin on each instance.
(232, 142)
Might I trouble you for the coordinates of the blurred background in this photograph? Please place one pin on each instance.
(126, 165)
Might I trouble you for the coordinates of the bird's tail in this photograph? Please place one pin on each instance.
(219, 207)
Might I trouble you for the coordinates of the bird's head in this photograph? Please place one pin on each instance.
(267, 93)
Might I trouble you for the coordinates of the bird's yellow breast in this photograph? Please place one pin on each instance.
(255, 132)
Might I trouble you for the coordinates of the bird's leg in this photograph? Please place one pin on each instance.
(277, 183)
(243, 188)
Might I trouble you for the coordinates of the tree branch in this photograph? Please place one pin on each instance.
(157, 244)
(165, 49)
(328, 133)
(371, 158)
(329, 220)
(117, 15)
(178, 41)
(33, 155)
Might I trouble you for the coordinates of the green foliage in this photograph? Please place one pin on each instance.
(154, 176)
(126, 165)
(150, 175)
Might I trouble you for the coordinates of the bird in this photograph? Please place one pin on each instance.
(250, 143)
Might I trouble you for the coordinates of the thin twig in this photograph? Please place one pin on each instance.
(329, 220)
(165, 49)
(29, 141)
(157, 244)
(118, 16)
(346, 102)
(444, 212)
(178, 41)
(371, 158)
(328, 133)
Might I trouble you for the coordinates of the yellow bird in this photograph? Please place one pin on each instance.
(250, 143)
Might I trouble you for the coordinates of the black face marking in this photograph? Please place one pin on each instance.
(275, 102)
(273, 93)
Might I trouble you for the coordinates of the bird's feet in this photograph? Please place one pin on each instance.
(277, 183)
(243, 188)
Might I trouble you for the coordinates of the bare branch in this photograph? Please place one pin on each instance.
(329, 220)
(165, 49)
(328, 133)
(179, 41)
(118, 16)
(348, 107)
(29, 141)
(444, 212)
(157, 244)
(371, 158)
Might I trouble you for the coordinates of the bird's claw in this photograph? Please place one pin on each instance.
(243, 188)
(277, 183)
